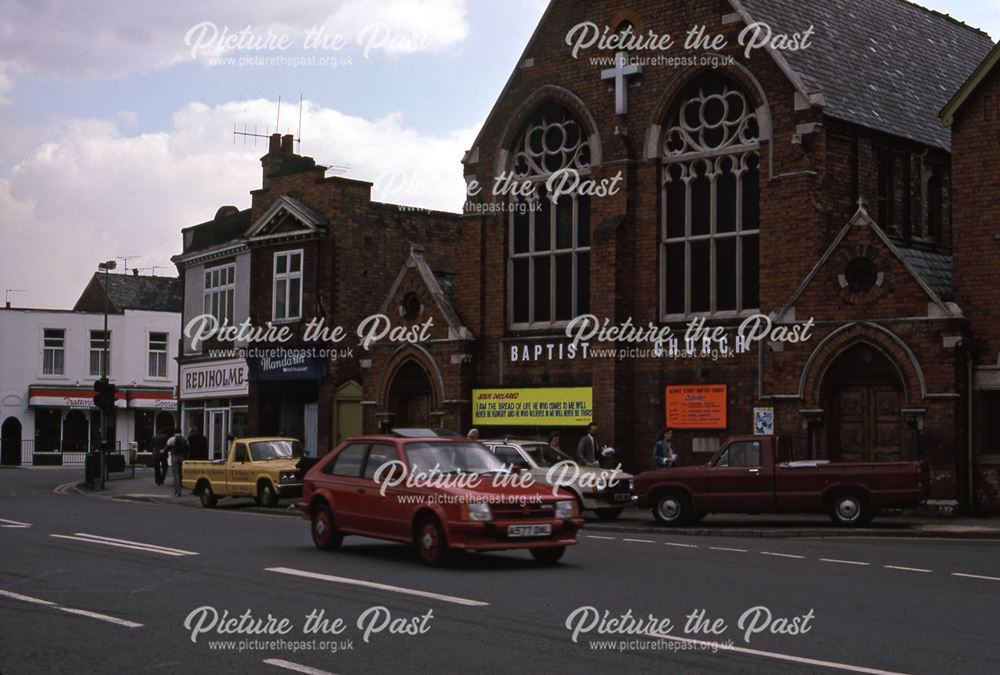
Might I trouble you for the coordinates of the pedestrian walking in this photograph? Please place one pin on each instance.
(178, 446)
(160, 457)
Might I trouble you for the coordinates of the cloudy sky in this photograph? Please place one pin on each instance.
(117, 117)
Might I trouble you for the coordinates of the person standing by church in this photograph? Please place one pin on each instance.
(587, 448)
(663, 453)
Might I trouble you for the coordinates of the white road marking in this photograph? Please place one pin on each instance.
(726, 548)
(640, 541)
(26, 598)
(974, 576)
(15, 524)
(778, 656)
(297, 667)
(382, 587)
(124, 543)
(101, 617)
(673, 543)
(907, 569)
(844, 562)
(594, 536)
(784, 555)
(70, 610)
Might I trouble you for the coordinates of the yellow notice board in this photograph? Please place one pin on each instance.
(542, 406)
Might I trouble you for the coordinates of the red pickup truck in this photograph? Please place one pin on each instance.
(755, 474)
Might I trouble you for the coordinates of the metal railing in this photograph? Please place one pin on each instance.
(55, 453)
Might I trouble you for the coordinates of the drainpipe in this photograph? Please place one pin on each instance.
(968, 429)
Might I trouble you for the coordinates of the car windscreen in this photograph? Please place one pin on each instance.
(429, 458)
(262, 451)
(545, 455)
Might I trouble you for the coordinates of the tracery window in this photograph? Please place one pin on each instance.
(709, 245)
(548, 266)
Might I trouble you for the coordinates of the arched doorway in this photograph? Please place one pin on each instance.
(863, 393)
(411, 396)
(10, 442)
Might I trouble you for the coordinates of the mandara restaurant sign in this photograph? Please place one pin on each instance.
(696, 406)
(549, 406)
(286, 362)
(218, 379)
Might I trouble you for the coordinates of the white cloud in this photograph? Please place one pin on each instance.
(93, 192)
(113, 38)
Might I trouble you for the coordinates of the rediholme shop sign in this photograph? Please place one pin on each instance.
(536, 406)
(696, 406)
(218, 379)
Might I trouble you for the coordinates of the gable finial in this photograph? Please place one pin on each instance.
(862, 204)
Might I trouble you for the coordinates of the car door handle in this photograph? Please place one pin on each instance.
(754, 471)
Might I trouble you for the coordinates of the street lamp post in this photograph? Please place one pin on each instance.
(105, 267)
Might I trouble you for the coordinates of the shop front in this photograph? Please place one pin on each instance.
(67, 425)
(286, 387)
(214, 401)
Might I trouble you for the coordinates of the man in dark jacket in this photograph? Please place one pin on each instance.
(198, 445)
(160, 457)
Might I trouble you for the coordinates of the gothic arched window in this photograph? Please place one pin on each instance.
(709, 244)
(548, 267)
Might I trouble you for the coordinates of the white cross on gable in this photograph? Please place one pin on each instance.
(621, 70)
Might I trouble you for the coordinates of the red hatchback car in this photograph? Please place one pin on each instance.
(441, 494)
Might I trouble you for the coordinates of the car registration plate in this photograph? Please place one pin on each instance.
(622, 496)
(529, 530)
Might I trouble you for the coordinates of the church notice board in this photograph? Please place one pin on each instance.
(531, 406)
(696, 406)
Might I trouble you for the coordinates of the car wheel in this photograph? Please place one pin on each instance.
(207, 497)
(266, 494)
(324, 532)
(671, 508)
(606, 514)
(549, 555)
(432, 549)
(850, 509)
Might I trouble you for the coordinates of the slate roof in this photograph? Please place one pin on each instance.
(217, 231)
(934, 268)
(127, 291)
(888, 65)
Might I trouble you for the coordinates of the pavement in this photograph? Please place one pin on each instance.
(143, 488)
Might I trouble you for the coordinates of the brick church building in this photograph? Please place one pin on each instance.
(840, 180)
(809, 185)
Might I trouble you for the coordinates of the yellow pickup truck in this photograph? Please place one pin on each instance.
(265, 468)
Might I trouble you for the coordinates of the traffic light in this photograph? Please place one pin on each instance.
(104, 398)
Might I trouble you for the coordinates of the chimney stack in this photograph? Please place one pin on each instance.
(288, 144)
(274, 144)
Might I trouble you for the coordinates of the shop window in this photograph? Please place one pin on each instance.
(991, 422)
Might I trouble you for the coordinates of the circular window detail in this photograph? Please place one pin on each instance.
(411, 306)
(861, 275)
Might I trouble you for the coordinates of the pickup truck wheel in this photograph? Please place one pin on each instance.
(324, 533)
(266, 494)
(602, 514)
(850, 509)
(432, 549)
(207, 497)
(671, 508)
(549, 555)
